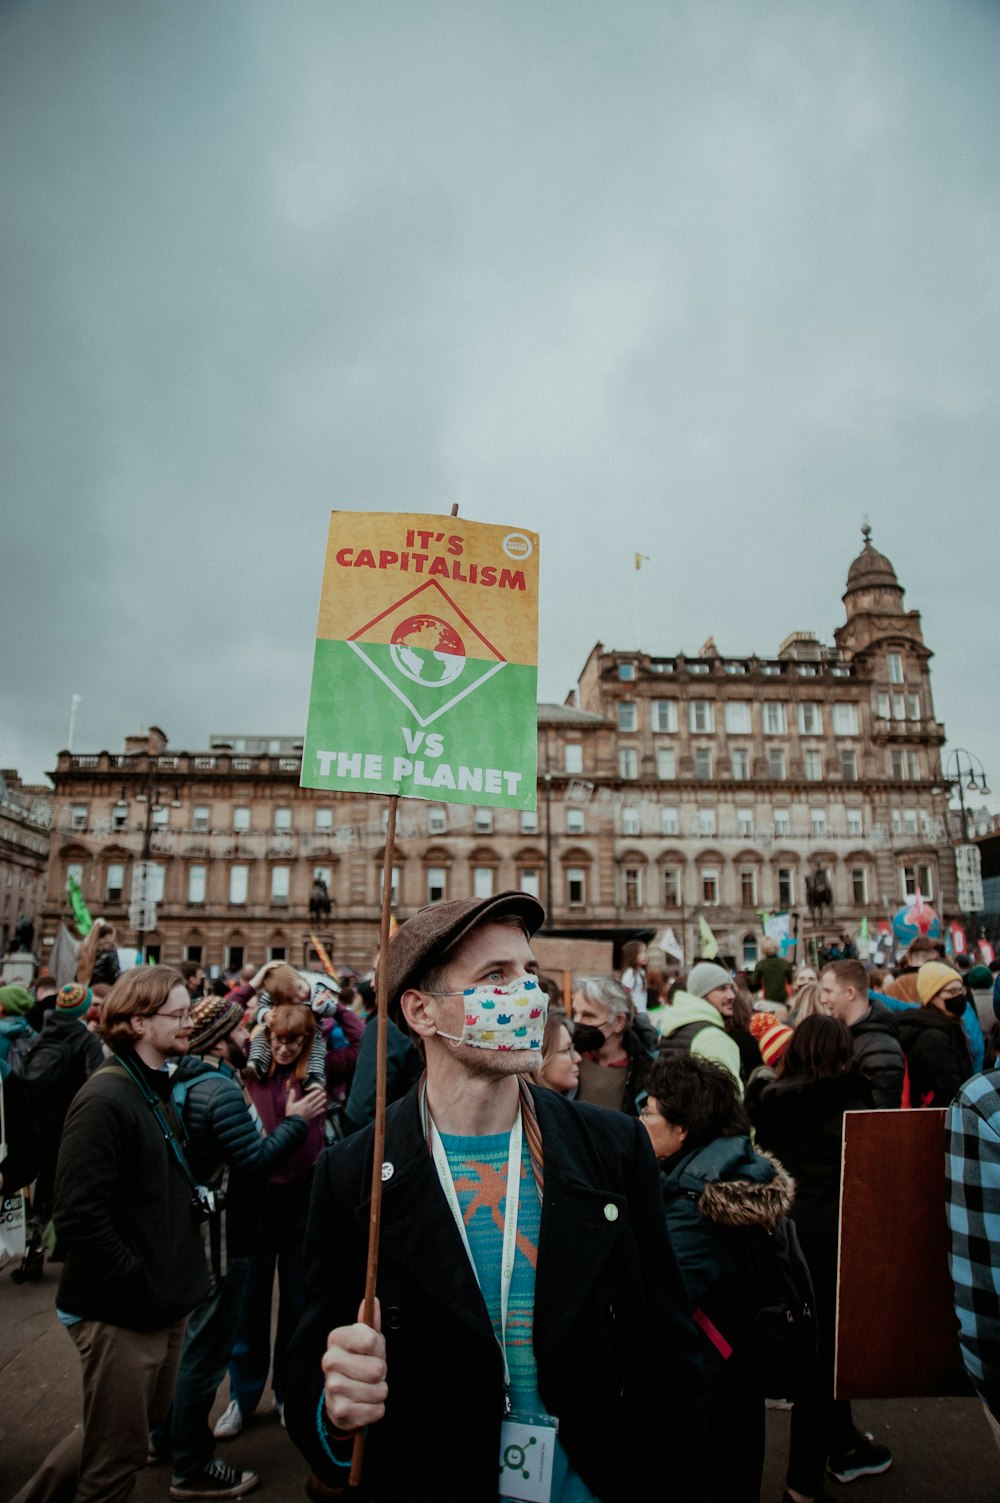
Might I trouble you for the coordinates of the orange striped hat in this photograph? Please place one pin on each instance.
(772, 1036)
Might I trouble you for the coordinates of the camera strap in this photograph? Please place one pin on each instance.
(171, 1130)
(213, 1228)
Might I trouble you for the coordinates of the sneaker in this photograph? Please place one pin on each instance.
(867, 1459)
(217, 1480)
(229, 1423)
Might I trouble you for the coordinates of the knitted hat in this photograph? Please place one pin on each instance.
(15, 1001)
(980, 977)
(772, 1036)
(933, 978)
(705, 977)
(73, 1000)
(426, 938)
(212, 1018)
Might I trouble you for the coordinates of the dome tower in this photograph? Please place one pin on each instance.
(873, 603)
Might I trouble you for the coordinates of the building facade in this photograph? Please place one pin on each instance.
(669, 788)
(25, 817)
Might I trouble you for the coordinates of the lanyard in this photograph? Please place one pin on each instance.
(509, 1224)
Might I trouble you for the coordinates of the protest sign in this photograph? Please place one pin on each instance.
(425, 669)
(897, 1334)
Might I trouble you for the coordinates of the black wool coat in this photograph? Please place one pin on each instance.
(134, 1254)
(801, 1121)
(613, 1339)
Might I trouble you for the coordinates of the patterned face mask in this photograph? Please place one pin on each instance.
(501, 1017)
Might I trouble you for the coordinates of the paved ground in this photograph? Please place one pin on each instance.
(943, 1448)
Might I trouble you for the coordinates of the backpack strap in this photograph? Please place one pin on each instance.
(681, 1039)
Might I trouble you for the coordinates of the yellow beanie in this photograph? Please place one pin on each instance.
(933, 978)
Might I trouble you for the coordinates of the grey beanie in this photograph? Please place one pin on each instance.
(705, 977)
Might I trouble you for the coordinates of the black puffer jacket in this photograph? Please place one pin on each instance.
(878, 1054)
(937, 1054)
(220, 1131)
(134, 1255)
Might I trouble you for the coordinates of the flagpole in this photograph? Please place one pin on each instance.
(378, 1147)
(635, 588)
(74, 705)
(381, 1055)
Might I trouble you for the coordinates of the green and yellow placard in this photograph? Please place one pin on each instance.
(425, 674)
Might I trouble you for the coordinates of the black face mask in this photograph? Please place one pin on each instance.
(587, 1038)
(955, 1005)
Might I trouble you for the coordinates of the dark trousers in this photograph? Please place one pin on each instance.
(280, 1244)
(128, 1377)
(822, 1426)
(734, 1413)
(208, 1345)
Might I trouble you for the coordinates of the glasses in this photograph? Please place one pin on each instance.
(175, 1017)
(648, 1111)
(287, 1040)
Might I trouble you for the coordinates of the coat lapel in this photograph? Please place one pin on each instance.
(582, 1223)
(418, 1232)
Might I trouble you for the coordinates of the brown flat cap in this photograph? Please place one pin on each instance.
(425, 939)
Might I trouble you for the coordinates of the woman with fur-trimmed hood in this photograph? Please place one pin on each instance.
(716, 1190)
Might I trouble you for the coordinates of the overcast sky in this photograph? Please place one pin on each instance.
(706, 280)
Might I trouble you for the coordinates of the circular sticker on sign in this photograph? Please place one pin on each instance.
(517, 546)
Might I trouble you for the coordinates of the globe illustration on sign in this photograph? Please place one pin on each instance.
(427, 651)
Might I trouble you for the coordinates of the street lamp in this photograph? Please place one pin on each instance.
(964, 773)
(961, 764)
(153, 797)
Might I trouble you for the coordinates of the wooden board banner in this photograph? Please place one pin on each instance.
(897, 1335)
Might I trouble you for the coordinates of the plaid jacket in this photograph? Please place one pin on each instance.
(972, 1171)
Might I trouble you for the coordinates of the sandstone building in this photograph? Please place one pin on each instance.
(668, 788)
(25, 816)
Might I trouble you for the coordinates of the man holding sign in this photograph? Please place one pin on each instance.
(532, 1335)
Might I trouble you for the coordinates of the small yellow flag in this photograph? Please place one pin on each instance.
(320, 949)
(709, 943)
(640, 558)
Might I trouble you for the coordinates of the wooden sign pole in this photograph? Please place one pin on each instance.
(378, 1145)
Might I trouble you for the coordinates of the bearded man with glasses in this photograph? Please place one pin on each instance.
(135, 1266)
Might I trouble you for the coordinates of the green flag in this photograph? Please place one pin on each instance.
(81, 913)
(709, 943)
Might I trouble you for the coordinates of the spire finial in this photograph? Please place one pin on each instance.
(866, 530)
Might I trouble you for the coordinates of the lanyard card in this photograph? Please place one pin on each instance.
(527, 1454)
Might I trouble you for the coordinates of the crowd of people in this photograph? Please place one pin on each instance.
(594, 1205)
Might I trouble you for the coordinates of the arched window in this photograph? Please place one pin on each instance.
(751, 951)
